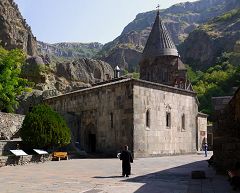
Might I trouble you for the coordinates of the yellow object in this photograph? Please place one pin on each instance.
(59, 155)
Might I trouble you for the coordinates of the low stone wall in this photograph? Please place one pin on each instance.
(10, 124)
(7, 145)
(23, 160)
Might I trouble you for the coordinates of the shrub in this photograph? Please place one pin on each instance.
(11, 84)
(44, 128)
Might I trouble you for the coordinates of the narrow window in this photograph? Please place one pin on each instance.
(166, 76)
(148, 76)
(111, 118)
(183, 122)
(147, 118)
(168, 119)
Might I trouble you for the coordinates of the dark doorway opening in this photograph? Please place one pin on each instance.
(92, 143)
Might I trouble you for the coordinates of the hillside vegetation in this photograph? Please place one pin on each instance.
(222, 79)
(205, 44)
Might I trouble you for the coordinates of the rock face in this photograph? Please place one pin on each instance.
(210, 40)
(53, 79)
(9, 125)
(66, 76)
(86, 70)
(70, 50)
(14, 31)
(180, 20)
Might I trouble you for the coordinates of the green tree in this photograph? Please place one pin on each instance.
(11, 84)
(44, 128)
(217, 80)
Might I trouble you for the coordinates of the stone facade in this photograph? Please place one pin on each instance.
(210, 137)
(101, 118)
(162, 136)
(164, 70)
(226, 135)
(106, 117)
(10, 124)
(201, 131)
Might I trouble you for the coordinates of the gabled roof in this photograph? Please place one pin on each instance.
(159, 42)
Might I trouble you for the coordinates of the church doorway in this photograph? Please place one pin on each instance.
(92, 143)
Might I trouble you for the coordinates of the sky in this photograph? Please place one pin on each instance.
(85, 21)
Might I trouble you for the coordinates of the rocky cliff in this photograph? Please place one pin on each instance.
(69, 51)
(14, 31)
(180, 20)
(65, 76)
(210, 40)
(54, 78)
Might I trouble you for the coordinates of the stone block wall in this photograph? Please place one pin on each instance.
(100, 118)
(106, 117)
(226, 141)
(10, 124)
(157, 139)
(201, 131)
(210, 137)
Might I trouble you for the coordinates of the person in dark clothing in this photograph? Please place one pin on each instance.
(205, 149)
(127, 159)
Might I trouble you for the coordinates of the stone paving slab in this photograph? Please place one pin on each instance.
(149, 175)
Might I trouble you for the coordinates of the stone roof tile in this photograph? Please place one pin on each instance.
(159, 42)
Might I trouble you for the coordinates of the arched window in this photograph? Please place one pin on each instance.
(183, 122)
(168, 119)
(148, 118)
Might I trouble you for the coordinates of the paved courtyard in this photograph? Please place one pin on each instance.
(149, 175)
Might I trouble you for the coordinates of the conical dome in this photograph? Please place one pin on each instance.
(159, 42)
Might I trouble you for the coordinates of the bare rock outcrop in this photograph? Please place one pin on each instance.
(9, 125)
(52, 78)
(86, 70)
(14, 31)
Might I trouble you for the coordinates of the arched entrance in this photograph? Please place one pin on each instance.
(92, 142)
(90, 138)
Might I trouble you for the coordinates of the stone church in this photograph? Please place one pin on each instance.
(155, 115)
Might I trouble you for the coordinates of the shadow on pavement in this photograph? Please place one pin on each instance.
(101, 177)
(178, 180)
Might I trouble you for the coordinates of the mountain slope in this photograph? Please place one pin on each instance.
(70, 51)
(201, 49)
(180, 20)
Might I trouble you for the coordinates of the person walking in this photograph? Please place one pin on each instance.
(127, 159)
(205, 149)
